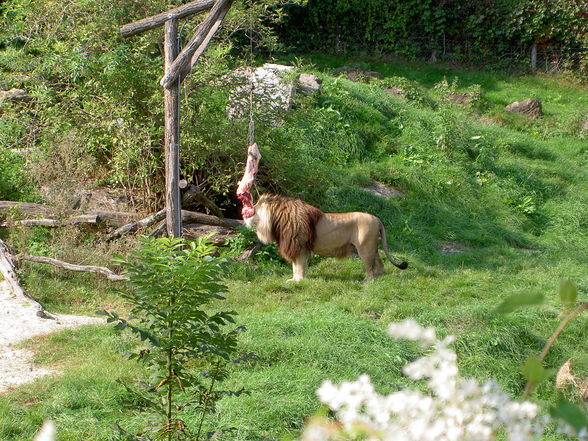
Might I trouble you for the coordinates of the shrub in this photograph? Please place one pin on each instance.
(187, 348)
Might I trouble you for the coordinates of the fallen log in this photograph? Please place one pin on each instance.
(134, 226)
(91, 219)
(191, 194)
(109, 274)
(6, 207)
(207, 219)
(158, 230)
(218, 235)
(112, 219)
(9, 273)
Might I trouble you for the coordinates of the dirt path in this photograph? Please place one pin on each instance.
(18, 322)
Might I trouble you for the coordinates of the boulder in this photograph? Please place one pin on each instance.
(308, 84)
(452, 248)
(384, 191)
(463, 98)
(356, 74)
(271, 92)
(529, 107)
(395, 91)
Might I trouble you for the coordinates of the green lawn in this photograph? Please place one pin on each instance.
(513, 192)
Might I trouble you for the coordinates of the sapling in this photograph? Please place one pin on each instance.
(186, 347)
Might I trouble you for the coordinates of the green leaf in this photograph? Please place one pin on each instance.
(518, 301)
(534, 372)
(568, 293)
(571, 414)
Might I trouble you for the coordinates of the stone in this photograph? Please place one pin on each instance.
(462, 98)
(356, 74)
(529, 107)
(395, 91)
(271, 93)
(14, 95)
(452, 248)
(308, 83)
(384, 191)
(585, 125)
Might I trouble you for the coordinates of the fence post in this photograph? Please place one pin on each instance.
(534, 58)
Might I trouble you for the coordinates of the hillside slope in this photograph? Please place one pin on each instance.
(510, 194)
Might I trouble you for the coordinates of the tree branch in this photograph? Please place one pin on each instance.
(109, 274)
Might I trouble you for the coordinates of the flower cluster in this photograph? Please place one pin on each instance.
(455, 408)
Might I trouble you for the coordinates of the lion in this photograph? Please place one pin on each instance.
(299, 229)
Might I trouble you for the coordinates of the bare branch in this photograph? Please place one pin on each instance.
(109, 274)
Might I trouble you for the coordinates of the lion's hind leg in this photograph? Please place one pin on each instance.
(371, 261)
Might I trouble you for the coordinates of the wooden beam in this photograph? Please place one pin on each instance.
(181, 65)
(172, 137)
(192, 8)
(205, 42)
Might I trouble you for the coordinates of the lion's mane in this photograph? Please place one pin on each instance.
(288, 221)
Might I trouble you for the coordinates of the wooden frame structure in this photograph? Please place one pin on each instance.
(177, 66)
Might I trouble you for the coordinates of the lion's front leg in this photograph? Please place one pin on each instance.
(299, 265)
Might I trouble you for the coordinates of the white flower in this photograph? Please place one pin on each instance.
(409, 329)
(455, 409)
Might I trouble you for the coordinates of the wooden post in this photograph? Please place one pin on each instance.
(534, 58)
(172, 142)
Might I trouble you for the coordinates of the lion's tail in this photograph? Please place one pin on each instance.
(402, 265)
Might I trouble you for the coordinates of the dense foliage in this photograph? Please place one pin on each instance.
(473, 28)
(96, 99)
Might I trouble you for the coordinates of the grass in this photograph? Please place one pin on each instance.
(498, 184)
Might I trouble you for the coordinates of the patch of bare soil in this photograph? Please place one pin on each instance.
(18, 322)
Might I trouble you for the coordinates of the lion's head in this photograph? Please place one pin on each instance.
(288, 221)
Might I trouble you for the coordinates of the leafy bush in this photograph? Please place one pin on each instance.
(187, 349)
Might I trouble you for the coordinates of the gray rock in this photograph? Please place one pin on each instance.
(585, 125)
(452, 248)
(356, 74)
(384, 191)
(395, 91)
(271, 91)
(529, 107)
(308, 83)
(463, 98)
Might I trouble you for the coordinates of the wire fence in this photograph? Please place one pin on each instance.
(529, 57)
